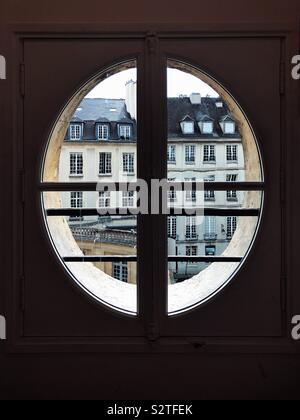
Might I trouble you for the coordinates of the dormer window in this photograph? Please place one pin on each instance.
(188, 127)
(229, 127)
(75, 131)
(125, 131)
(207, 127)
(102, 132)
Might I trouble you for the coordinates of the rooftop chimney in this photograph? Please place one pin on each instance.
(131, 98)
(195, 99)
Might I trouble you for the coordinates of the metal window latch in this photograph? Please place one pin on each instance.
(152, 42)
(153, 334)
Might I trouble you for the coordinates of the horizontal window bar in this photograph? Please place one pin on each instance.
(85, 186)
(207, 258)
(172, 212)
(132, 258)
(99, 258)
(119, 186)
(89, 212)
(213, 212)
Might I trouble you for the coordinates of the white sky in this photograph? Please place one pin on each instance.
(179, 83)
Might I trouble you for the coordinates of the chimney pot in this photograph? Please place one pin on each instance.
(195, 99)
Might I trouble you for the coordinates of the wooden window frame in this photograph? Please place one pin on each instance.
(289, 40)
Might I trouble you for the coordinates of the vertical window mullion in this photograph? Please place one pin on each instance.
(157, 136)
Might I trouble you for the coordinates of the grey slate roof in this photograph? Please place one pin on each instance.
(102, 109)
(93, 111)
(114, 112)
(180, 108)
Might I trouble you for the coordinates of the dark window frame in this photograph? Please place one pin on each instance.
(20, 34)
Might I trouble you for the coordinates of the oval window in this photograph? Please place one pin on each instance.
(215, 187)
(93, 143)
(211, 144)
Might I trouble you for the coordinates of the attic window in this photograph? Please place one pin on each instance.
(188, 127)
(75, 131)
(207, 127)
(125, 132)
(229, 127)
(102, 131)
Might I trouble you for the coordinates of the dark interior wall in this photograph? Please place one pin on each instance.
(158, 376)
(168, 11)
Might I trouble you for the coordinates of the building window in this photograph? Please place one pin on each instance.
(210, 250)
(128, 199)
(190, 196)
(209, 153)
(76, 164)
(189, 234)
(128, 163)
(229, 128)
(188, 127)
(75, 131)
(209, 195)
(191, 228)
(104, 199)
(207, 127)
(190, 155)
(172, 193)
(125, 132)
(102, 132)
(191, 251)
(172, 227)
(231, 195)
(172, 154)
(210, 228)
(105, 167)
(120, 271)
(231, 153)
(231, 227)
(76, 202)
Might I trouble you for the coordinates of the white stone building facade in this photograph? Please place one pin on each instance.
(204, 144)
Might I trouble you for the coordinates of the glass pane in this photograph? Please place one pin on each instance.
(209, 141)
(97, 144)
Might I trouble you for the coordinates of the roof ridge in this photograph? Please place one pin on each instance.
(104, 99)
